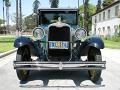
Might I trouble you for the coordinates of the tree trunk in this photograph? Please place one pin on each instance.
(7, 19)
(86, 15)
(20, 20)
(17, 27)
(4, 15)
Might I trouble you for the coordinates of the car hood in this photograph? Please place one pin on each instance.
(45, 27)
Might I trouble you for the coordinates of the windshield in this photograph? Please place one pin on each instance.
(48, 17)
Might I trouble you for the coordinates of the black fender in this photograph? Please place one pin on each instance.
(95, 42)
(25, 41)
(22, 41)
(91, 42)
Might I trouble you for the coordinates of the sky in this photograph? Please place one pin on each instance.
(27, 7)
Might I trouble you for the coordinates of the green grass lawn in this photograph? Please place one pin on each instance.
(6, 43)
(112, 44)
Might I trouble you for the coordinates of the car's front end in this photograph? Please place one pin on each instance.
(59, 45)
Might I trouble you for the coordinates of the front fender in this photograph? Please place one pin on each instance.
(21, 41)
(95, 42)
(91, 42)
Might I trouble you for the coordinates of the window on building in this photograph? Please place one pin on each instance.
(95, 30)
(103, 30)
(103, 16)
(109, 14)
(99, 31)
(116, 29)
(99, 17)
(109, 31)
(95, 19)
(116, 10)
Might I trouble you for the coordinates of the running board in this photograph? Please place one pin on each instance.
(37, 65)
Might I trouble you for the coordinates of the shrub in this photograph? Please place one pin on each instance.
(116, 38)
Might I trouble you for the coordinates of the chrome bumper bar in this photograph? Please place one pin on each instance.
(37, 65)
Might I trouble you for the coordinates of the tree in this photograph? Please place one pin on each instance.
(20, 20)
(17, 17)
(7, 4)
(107, 3)
(98, 6)
(54, 3)
(1, 22)
(2, 27)
(3, 10)
(30, 22)
(92, 10)
(13, 18)
(36, 4)
(86, 15)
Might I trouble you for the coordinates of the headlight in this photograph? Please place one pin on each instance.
(38, 33)
(80, 33)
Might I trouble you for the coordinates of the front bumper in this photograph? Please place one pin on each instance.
(37, 65)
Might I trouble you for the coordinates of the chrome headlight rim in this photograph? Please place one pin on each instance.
(79, 30)
(40, 30)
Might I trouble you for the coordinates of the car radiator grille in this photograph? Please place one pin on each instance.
(59, 34)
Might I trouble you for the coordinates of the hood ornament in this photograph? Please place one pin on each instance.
(59, 23)
(59, 19)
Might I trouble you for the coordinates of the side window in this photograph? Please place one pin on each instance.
(39, 17)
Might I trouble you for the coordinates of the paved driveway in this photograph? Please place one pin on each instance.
(55, 80)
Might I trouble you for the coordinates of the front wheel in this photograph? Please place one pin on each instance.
(23, 54)
(94, 55)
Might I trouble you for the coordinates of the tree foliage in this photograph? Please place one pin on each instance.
(1, 21)
(86, 15)
(7, 3)
(107, 3)
(36, 4)
(54, 3)
(98, 6)
(30, 22)
(92, 10)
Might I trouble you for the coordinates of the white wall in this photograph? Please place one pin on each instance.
(110, 23)
(106, 23)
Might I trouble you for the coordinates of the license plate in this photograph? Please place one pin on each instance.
(58, 45)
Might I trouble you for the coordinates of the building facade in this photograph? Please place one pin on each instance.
(106, 22)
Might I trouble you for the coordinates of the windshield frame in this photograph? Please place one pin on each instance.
(62, 11)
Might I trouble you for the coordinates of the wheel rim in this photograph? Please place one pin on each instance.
(92, 57)
(93, 73)
(24, 72)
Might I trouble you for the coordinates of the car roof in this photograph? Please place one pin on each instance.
(58, 9)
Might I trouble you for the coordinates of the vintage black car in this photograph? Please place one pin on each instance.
(60, 43)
